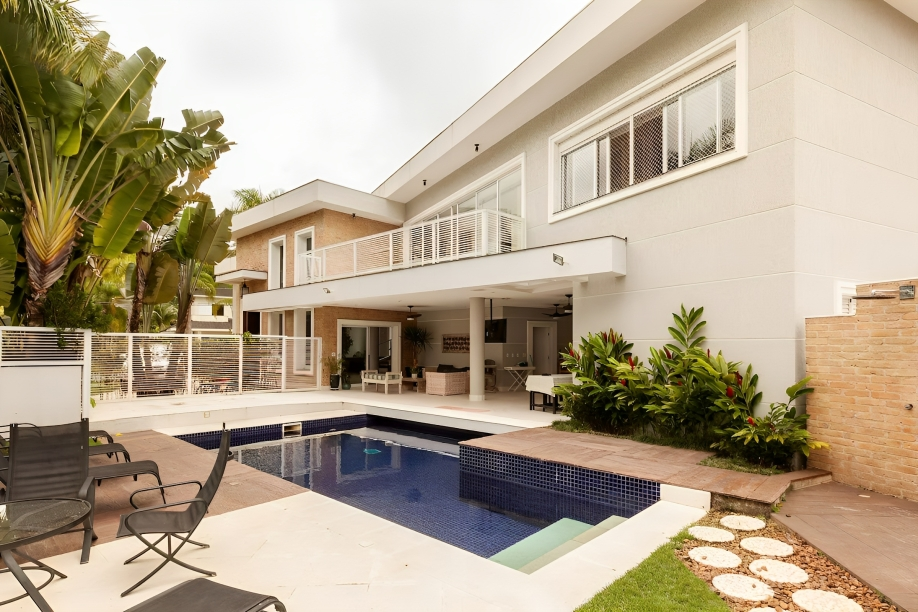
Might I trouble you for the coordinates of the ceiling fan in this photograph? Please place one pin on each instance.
(556, 314)
(413, 316)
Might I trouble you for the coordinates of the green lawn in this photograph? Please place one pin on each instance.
(660, 584)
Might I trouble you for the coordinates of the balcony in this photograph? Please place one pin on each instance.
(466, 235)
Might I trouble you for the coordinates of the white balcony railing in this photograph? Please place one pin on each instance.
(472, 234)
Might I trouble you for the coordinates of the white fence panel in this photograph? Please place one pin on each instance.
(136, 366)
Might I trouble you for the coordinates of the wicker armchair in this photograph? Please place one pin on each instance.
(447, 383)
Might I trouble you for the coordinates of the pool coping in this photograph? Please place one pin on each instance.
(665, 465)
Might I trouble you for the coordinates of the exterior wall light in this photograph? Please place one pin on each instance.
(476, 147)
(245, 288)
(424, 181)
(326, 289)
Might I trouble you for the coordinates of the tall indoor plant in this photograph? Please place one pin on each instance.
(419, 339)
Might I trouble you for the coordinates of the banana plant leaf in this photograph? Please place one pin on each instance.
(125, 210)
(7, 264)
(162, 279)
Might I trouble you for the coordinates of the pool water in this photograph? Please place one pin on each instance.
(409, 478)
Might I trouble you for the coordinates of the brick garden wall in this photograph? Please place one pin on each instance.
(865, 371)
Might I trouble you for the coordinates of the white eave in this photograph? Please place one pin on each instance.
(314, 196)
(601, 34)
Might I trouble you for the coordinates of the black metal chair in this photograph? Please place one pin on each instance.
(178, 524)
(51, 461)
(203, 595)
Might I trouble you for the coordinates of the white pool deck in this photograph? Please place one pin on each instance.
(315, 554)
(499, 413)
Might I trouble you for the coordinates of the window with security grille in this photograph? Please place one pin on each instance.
(693, 124)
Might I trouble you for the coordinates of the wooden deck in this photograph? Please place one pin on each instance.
(674, 466)
(874, 536)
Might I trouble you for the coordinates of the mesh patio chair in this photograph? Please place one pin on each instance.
(203, 595)
(51, 461)
(180, 525)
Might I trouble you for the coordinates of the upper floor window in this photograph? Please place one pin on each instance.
(504, 194)
(695, 123)
(276, 262)
(686, 119)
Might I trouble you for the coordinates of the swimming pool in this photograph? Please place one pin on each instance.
(407, 477)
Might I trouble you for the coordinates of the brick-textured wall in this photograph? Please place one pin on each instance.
(325, 326)
(331, 227)
(865, 372)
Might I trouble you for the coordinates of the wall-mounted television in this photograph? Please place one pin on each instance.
(496, 330)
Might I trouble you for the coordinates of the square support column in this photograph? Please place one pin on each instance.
(476, 349)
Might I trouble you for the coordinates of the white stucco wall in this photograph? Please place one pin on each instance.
(828, 191)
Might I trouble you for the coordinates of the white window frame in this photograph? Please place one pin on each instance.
(844, 290)
(296, 249)
(729, 48)
(271, 271)
(299, 318)
(518, 162)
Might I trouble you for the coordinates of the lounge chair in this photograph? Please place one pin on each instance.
(203, 595)
(170, 523)
(61, 450)
(109, 449)
(128, 468)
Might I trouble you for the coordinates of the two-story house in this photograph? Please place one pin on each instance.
(756, 158)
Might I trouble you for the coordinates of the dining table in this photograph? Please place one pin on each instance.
(29, 521)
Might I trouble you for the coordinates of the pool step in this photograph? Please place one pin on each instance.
(553, 542)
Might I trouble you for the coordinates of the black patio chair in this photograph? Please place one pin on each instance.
(51, 461)
(202, 595)
(178, 524)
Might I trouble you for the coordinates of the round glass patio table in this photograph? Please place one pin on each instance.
(28, 521)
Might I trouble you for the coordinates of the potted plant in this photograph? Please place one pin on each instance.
(345, 378)
(333, 364)
(418, 338)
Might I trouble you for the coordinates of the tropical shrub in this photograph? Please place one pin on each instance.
(684, 392)
(774, 438)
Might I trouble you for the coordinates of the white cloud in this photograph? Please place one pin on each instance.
(342, 90)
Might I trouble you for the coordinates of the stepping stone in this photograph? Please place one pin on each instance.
(742, 523)
(812, 600)
(742, 587)
(710, 534)
(778, 571)
(714, 557)
(767, 547)
(769, 609)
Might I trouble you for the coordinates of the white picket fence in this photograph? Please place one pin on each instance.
(137, 366)
(470, 234)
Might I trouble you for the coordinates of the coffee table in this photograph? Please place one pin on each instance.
(420, 384)
(28, 521)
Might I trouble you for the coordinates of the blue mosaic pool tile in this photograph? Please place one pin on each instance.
(494, 478)
(242, 436)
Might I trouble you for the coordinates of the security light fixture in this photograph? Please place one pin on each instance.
(326, 289)
(557, 259)
(413, 316)
(245, 288)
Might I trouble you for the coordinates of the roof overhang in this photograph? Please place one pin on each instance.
(601, 34)
(240, 276)
(314, 196)
(909, 8)
(523, 276)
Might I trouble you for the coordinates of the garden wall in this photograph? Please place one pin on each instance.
(865, 372)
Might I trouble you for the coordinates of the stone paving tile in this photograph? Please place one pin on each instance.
(675, 466)
(178, 461)
(875, 537)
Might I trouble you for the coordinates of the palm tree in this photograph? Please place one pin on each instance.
(86, 160)
(250, 197)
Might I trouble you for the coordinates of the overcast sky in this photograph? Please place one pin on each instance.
(342, 90)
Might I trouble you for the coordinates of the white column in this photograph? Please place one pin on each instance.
(476, 349)
(237, 308)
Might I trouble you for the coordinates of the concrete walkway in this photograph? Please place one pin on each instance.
(874, 536)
